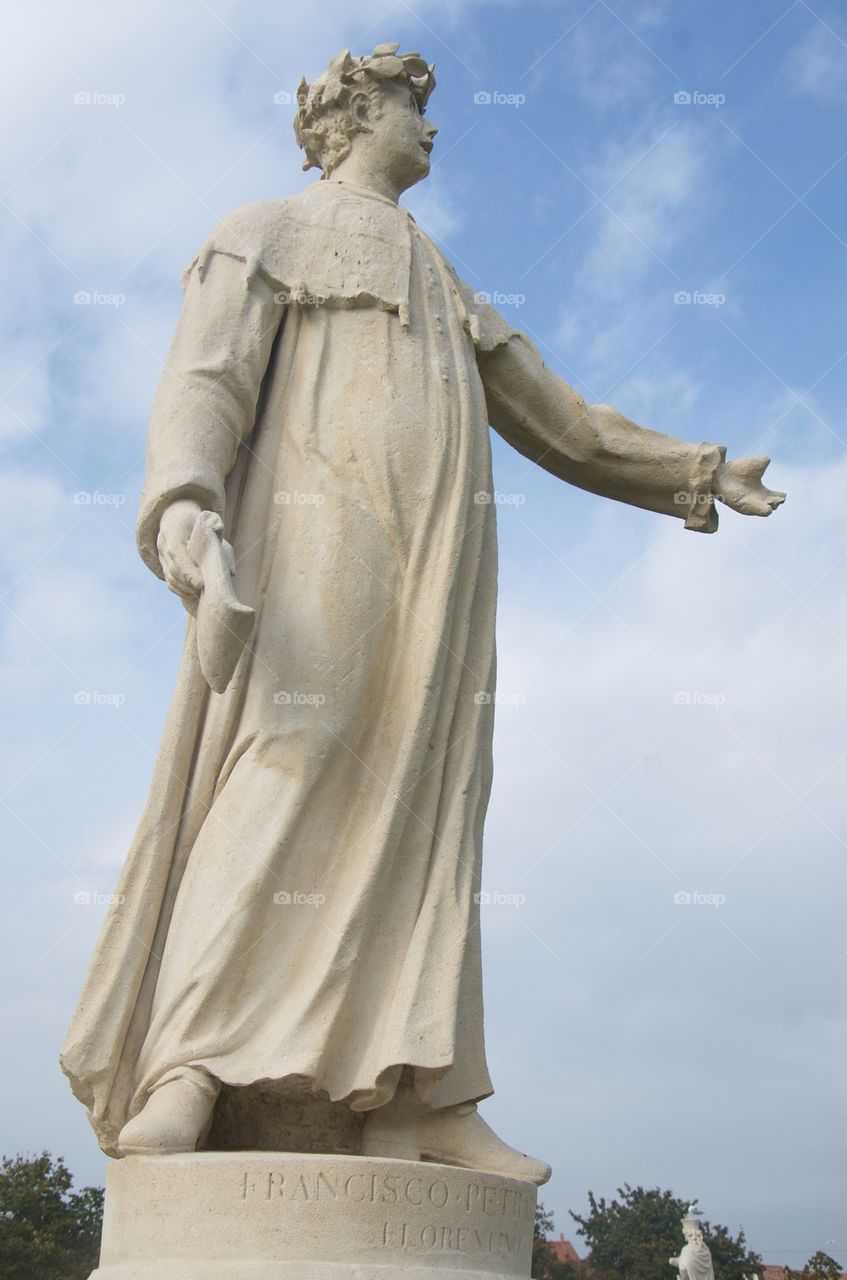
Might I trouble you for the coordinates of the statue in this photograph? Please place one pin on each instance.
(695, 1260)
(300, 903)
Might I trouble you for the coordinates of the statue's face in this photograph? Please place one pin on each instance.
(399, 136)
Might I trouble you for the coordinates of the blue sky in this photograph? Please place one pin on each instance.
(631, 1037)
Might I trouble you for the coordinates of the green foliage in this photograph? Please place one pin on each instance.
(819, 1267)
(632, 1238)
(47, 1231)
(542, 1254)
(545, 1264)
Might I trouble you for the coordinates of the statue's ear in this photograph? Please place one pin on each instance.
(361, 110)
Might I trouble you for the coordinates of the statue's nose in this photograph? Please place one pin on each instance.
(431, 130)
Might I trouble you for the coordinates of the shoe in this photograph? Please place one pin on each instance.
(447, 1135)
(173, 1118)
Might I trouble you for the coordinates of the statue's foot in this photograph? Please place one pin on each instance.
(448, 1135)
(173, 1118)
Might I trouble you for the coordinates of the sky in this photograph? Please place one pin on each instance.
(654, 192)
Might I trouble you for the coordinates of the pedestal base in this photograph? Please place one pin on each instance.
(259, 1216)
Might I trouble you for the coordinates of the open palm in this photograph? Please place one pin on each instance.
(739, 485)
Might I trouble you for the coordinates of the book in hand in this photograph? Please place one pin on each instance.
(224, 624)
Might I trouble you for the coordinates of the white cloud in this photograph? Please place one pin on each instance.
(621, 300)
(623, 1040)
(658, 179)
(816, 67)
(607, 64)
(436, 209)
(610, 797)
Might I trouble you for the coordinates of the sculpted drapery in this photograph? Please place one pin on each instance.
(312, 841)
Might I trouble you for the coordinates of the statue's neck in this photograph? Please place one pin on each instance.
(351, 173)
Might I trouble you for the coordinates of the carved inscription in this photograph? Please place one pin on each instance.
(452, 1238)
(476, 1216)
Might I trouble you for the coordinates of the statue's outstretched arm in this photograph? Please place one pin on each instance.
(597, 448)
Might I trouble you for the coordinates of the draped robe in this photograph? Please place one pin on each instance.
(695, 1260)
(300, 901)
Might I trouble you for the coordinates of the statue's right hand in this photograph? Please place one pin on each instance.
(175, 528)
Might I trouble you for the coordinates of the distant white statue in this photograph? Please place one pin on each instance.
(695, 1260)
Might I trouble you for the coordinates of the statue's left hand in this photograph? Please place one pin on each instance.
(739, 485)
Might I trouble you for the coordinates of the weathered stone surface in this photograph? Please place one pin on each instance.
(284, 1117)
(301, 901)
(256, 1216)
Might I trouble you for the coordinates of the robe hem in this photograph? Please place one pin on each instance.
(358, 1099)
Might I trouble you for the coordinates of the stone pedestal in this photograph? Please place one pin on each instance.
(261, 1216)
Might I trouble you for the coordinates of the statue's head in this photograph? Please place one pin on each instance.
(372, 107)
(692, 1227)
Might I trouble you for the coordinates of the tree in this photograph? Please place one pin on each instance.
(819, 1267)
(633, 1237)
(545, 1264)
(47, 1231)
(542, 1255)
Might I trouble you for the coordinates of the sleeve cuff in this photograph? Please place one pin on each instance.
(699, 498)
(207, 494)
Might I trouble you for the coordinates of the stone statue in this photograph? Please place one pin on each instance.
(695, 1260)
(300, 904)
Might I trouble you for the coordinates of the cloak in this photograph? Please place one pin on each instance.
(301, 900)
